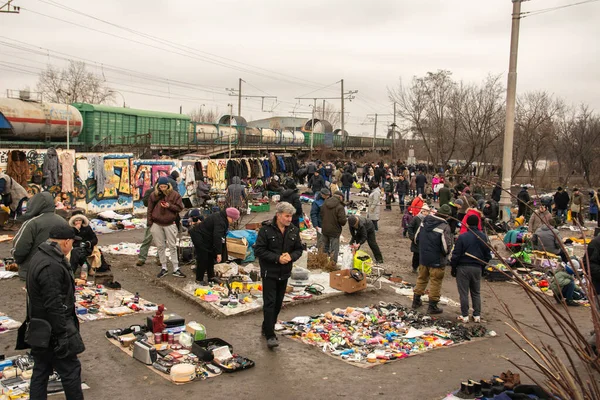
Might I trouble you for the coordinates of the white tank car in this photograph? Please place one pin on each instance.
(29, 120)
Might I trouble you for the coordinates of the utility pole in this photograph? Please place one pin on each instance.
(240, 98)
(312, 128)
(230, 128)
(344, 139)
(394, 134)
(509, 130)
(323, 111)
(374, 132)
(6, 8)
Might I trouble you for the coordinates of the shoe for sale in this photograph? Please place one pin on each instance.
(139, 263)
(462, 319)
(272, 342)
(434, 309)
(477, 319)
(179, 274)
(162, 273)
(416, 301)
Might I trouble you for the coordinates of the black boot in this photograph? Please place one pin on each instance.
(416, 301)
(433, 308)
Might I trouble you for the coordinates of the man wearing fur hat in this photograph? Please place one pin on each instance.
(164, 206)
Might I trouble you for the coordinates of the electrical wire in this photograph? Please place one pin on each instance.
(207, 57)
(545, 10)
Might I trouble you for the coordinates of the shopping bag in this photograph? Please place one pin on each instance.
(569, 217)
(356, 185)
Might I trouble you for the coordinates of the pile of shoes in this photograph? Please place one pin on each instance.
(507, 383)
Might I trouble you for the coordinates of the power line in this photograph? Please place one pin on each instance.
(208, 57)
(545, 10)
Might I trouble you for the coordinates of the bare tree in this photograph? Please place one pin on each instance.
(585, 139)
(73, 84)
(200, 114)
(480, 113)
(429, 106)
(534, 129)
(331, 114)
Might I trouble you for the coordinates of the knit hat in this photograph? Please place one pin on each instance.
(233, 213)
(472, 220)
(559, 188)
(352, 220)
(325, 192)
(444, 211)
(339, 193)
(459, 202)
(163, 180)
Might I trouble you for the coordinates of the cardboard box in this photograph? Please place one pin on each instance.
(341, 280)
(237, 248)
(254, 226)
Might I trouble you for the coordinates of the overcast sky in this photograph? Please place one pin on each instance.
(289, 49)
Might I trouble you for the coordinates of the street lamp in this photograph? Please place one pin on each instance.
(68, 116)
(115, 91)
(230, 118)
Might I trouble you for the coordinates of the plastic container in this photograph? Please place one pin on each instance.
(182, 373)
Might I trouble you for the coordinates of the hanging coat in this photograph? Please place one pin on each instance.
(17, 167)
(51, 168)
(66, 162)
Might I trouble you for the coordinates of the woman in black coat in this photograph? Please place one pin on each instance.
(83, 248)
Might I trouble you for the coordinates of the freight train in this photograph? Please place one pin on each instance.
(94, 126)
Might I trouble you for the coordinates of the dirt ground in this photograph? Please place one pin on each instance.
(294, 370)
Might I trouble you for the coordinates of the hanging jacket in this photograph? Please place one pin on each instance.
(52, 168)
(99, 174)
(68, 174)
(198, 171)
(17, 167)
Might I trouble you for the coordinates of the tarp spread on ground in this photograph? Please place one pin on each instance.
(241, 295)
(379, 334)
(133, 249)
(93, 303)
(8, 324)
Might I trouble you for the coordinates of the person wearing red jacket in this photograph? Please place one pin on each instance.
(472, 210)
(164, 206)
(416, 205)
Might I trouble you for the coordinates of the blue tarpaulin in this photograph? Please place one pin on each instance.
(250, 237)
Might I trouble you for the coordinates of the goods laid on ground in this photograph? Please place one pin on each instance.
(177, 351)
(15, 376)
(504, 386)
(8, 324)
(99, 302)
(378, 334)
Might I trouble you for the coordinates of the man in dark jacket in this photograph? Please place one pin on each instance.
(470, 255)
(388, 189)
(291, 195)
(497, 192)
(435, 244)
(39, 221)
(54, 329)
(316, 182)
(523, 200)
(347, 181)
(363, 230)
(315, 212)
(445, 194)
(402, 189)
(490, 211)
(209, 239)
(277, 246)
(421, 181)
(333, 217)
(561, 203)
(413, 227)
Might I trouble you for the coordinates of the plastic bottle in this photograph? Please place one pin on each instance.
(84, 272)
(136, 298)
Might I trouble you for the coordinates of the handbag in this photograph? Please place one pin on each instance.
(38, 333)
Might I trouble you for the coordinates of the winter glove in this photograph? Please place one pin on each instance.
(453, 272)
(86, 245)
(61, 349)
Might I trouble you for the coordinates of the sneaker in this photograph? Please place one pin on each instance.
(272, 342)
(178, 274)
(464, 320)
(477, 319)
(139, 263)
(162, 273)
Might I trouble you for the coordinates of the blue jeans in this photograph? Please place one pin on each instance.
(346, 192)
(562, 214)
(567, 291)
(401, 201)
